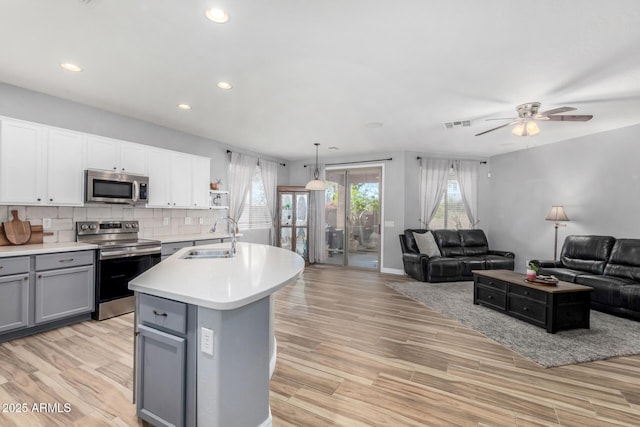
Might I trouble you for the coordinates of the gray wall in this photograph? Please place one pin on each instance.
(596, 178)
(37, 107)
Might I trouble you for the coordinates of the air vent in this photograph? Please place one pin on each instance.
(458, 124)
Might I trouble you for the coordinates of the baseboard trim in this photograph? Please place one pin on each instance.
(396, 271)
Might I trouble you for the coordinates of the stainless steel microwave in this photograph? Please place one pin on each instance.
(113, 187)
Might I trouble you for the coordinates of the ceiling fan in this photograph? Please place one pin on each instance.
(528, 115)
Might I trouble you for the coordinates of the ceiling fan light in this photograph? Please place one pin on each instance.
(519, 130)
(532, 128)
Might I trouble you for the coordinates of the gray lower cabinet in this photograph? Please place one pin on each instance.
(165, 361)
(63, 293)
(14, 301)
(40, 292)
(161, 377)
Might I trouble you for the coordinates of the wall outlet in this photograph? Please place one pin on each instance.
(187, 220)
(46, 223)
(201, 221)
(165, 221)
(206, 341)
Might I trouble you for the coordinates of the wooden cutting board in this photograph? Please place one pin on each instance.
(18, 232)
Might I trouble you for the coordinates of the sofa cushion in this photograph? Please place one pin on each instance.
(449, 242)
(630, 296)
(426, 244)
(586, 253)
(498, 262)
(473, 242)
(468, 264)
(606, 289)
(625, 260)
(444, 267)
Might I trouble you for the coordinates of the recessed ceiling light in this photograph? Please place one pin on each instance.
(184, 106)
(218, 16)
(333, 147)
(70, 67)
(373, 125)
(224, 85)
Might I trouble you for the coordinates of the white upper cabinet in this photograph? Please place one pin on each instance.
(40, 165)
(115, 155)
(201, 179)
(178, 180)
(65, 167)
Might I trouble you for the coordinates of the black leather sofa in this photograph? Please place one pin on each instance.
(610, 266)
(461, 252)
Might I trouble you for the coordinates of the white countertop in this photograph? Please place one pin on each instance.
(43, 248)
(187, 237)
(225, 283)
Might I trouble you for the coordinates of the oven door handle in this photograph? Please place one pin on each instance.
(128, 254)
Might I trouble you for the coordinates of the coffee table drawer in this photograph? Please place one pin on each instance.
(534, 311)
(493, 297)
(528, 293)
(492, 283)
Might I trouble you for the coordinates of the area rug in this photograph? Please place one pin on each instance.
(609, 336)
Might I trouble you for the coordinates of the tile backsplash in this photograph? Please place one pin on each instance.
(63, 219)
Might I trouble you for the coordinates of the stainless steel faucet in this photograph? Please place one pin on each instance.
(233, 224)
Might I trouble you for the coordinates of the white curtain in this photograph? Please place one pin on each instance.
(317, 229)
(269, 172)
(467, 172)
(433, 183)
(241, 172)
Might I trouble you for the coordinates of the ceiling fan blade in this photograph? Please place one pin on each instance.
(570, 118)
(501, 118)
(556, 111)
(499, 127)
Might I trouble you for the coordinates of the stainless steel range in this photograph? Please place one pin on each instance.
(122, 257)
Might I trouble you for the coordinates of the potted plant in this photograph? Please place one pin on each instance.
(215, 185)
(532, 270)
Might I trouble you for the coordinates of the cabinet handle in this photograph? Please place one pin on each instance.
(39, 276)
(66, 260)
(159, 313)
(1, 267)
(490, 297)
(525, 309)
(25, 278)
(39, 199)
(526, 292)
(115, 168)
(169, 203)
(51, 200)
(122, 169)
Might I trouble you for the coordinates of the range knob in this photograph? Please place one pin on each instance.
(84, 227)
(127, 225)
(93, 226)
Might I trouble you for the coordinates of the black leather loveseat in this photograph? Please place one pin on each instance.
(461, 251)
(610, 266)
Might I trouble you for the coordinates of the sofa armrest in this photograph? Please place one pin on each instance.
(502, 253)
(547, 263)
(417, 258)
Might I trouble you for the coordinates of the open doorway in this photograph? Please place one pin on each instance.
(353, 216)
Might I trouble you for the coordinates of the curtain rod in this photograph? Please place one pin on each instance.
(281, 164)
(351, 163)
(482, 162)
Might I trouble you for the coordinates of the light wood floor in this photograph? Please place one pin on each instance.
(351, 352)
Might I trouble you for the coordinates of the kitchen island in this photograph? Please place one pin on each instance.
(204, 326)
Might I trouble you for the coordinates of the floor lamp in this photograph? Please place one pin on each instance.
(557, 215)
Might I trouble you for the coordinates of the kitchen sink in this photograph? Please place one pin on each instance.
(208, 254)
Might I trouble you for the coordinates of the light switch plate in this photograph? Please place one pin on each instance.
(46, 223)
(165, 221)
(206, 341)
(389, 224)
(187, 220)
(201, 221)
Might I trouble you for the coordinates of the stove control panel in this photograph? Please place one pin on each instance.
(84, 228)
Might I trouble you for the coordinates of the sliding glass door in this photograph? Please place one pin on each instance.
(352, 214)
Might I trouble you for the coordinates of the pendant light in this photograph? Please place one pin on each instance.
(315, 184)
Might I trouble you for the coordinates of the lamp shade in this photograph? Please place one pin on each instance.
(557, 214)
(316, 185)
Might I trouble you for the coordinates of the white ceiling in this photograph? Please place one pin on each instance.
(308, 71)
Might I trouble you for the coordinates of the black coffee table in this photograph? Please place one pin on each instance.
(560, 307)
